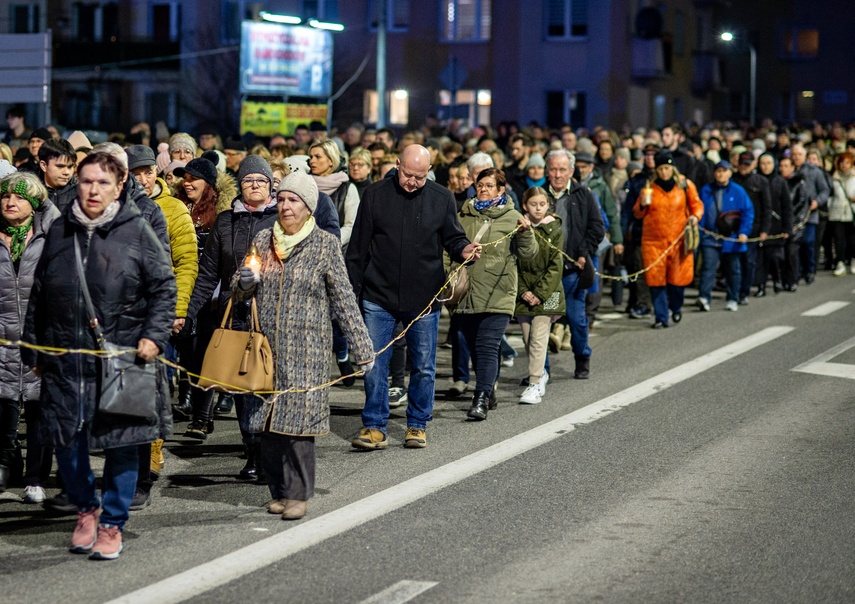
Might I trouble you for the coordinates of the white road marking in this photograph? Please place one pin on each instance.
(825, 309)
(819, 365)
(232, 566)
(400, 592)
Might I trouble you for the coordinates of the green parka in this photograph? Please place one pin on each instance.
(493, 277)
(542, 274)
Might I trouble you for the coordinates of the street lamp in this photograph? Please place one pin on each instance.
(752, 98)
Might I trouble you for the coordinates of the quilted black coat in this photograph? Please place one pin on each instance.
(133, 290)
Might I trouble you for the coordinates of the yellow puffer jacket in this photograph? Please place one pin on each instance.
(182, 242)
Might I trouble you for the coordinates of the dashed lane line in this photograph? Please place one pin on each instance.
(819, 365)
(237, 564)
(400, 592)
(825, 309)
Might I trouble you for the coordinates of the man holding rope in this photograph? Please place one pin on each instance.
(394, 260)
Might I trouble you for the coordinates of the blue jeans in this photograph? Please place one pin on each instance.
(576, 315)
(666, 298)
(729, 265)
(117, 485)
(483, 333)
(339, 343)
(807, 251)
(421, 348)
(748, 265)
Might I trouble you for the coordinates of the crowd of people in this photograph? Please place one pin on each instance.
(349, 244)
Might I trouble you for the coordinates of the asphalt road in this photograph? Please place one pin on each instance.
(696, 465)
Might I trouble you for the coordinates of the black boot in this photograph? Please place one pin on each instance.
(224, 405)
(4, 478)
(583, 367)
(250, 469)
(480, 404)
(184, 407)
(492, 403)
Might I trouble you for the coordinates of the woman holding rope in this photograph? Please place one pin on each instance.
(301, 276)
(666, 204)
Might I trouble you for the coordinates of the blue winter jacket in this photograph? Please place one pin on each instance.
(733, 198)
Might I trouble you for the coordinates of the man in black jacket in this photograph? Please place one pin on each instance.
(395, 265)
(583, 231)
(757, 188)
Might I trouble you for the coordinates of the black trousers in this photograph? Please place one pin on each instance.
(289, 464)
(39, 458)
(483, 333)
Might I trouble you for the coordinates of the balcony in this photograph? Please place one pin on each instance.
(707, 73)
(128, 54)
(648, 58)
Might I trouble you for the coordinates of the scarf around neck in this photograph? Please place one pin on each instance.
(331, 182)
(91, 224)
(18, 235)
(284, 244)
(480, 206)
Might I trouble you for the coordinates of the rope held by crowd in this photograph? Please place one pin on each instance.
(54, 351)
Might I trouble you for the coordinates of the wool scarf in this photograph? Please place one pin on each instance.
(480, 205)
(18, 235)
(284, 244)
(91, 224)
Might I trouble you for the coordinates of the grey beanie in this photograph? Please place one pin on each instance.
(254, 164)
(301, 184)
(535, 160)
(623, 152)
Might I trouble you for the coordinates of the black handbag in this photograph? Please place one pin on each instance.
(127, 385)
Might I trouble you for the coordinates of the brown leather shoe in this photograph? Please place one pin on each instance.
(276, 506)
(294, 509)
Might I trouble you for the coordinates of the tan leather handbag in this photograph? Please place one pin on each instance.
(238, 361)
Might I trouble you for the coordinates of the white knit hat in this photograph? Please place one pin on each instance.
(304, 186)
(182, 140)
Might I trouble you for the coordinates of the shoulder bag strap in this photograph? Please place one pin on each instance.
(482, 231)
(81, 271)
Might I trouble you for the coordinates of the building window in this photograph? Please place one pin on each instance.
(93, 22)
(24, 19)
(322, 10)
(472, 106)
(801, 43)
(566, 107)
(679, 33)
(165, 24)
(232, 13)
(566, 19)
(397, 105)
(465, 20)
(397, 15)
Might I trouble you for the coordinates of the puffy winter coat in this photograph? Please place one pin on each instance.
(541, 275)
(133, 290)
(302, 290)
(182, 244)
(664, 221)
(733, 199)
(840, 204)
(598, 186)
(493, 277)
(16, 379)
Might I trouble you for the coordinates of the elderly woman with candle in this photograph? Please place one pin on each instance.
(298, 277)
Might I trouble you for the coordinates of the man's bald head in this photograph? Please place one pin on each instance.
(413, 167)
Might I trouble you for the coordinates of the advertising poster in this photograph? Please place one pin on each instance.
(266, 119)
(285, 60)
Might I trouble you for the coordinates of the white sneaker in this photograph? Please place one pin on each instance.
(34, 494)
(531, 395)
(840, 269)
(731, 305)
(704, 304)
(544, 380)
(507, 361)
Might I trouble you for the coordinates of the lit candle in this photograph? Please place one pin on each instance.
(253, 258)
(646, 195)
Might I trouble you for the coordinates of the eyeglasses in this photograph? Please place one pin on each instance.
(248, 182)
(485, 185)
(358, 164)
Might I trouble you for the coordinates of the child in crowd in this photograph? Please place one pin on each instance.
(540, 298)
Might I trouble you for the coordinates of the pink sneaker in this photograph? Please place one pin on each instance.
(86, 531)
(109, 543)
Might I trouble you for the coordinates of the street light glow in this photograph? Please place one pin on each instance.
(727, 36)
(401, 95)
(274, 18)
(324, 25)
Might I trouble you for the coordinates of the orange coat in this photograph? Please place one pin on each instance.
(664, 221)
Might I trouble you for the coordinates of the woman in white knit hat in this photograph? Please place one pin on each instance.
(300, 278)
